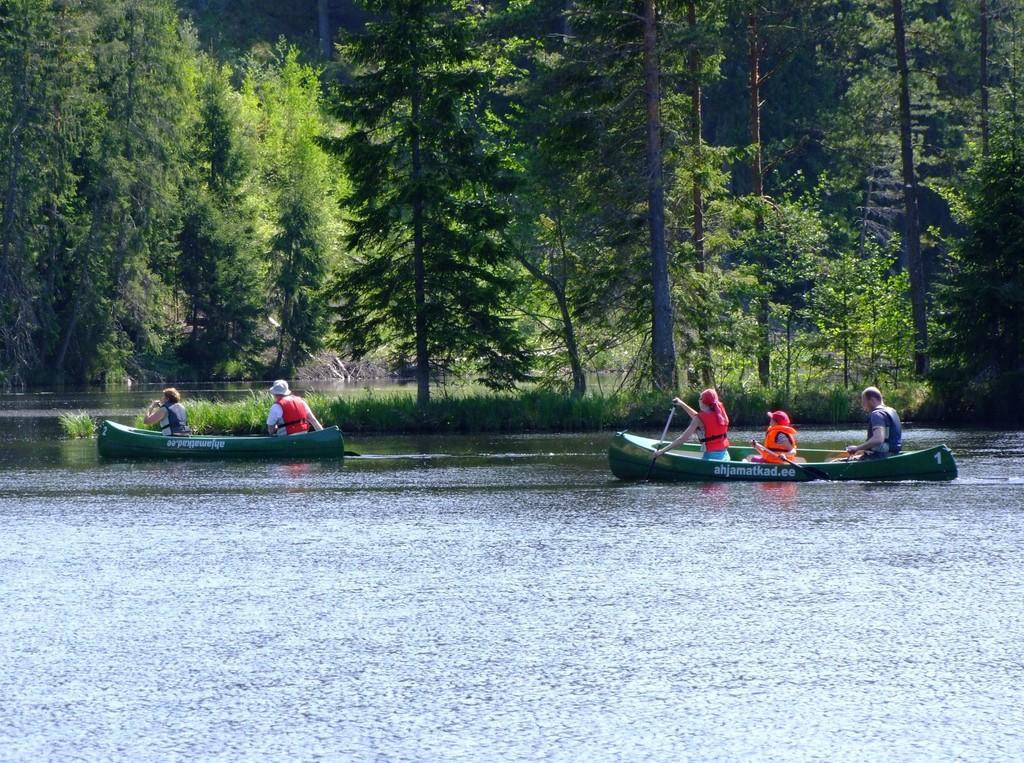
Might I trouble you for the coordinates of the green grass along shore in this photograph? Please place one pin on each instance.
(373, 412)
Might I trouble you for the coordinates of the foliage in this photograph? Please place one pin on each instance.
(981, 340)
(860, 308)
(163, 213)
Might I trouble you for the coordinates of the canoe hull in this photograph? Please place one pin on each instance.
(119, 441)
(629, 457)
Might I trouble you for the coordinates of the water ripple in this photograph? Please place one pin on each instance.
(519, 607)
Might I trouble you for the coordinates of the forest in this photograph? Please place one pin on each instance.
(782, 195)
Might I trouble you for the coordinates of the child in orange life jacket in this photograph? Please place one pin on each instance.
(780, 438)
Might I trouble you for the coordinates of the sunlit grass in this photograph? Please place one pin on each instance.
(77, 425)
(372, 411)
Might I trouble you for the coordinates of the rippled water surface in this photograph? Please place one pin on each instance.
(504, 598)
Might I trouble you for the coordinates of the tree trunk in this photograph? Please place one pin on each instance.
(789, 353)
(707, 368)
(69, 333)
(915, 266)
(863, 238)
(286, 317)
(757, 188)
(422, 356)
(983, 13)
(323, 17)
(662, 345)
(563, 21)
(846, 342)
(579, 379)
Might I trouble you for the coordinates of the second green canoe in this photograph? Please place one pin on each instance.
(630, 458)
(119, 441)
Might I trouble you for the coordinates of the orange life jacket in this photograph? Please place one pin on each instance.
(715, 434)
(772, 443)
(293, 415)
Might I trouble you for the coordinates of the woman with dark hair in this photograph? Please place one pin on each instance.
(170, 413)
(710, 424)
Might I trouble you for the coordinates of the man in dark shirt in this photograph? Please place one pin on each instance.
(885, 432)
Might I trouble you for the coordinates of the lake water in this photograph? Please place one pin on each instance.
(502, 598)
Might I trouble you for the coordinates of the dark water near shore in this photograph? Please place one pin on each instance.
(503, 598)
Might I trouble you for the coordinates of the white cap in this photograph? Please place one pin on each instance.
(280, 388)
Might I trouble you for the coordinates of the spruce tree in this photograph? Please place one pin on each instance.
(216, 267)
(130, 177)
(300, 201)
(980, 347)
(430, 275)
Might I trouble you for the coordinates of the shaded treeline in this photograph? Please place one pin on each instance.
(774, 194)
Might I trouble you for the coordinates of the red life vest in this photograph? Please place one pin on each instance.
(715, 434)
(772, 442)
(293, 414)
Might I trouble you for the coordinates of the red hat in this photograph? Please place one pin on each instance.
(709, 397)
(779, 417)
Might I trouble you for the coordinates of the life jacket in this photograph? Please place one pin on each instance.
(894, 432)
(772, 443)
(715, 434)
(293, 415)
(176, 420)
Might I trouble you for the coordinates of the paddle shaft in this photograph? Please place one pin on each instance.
(810, 471)
(664, 432)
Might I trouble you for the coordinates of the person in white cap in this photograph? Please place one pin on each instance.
(289, 414)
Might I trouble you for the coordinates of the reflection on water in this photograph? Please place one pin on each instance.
(452, 604)
(781, 494)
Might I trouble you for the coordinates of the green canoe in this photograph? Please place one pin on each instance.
(630, 458)
(118, 441)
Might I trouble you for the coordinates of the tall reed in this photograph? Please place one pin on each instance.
(531, 410)
(77, 425)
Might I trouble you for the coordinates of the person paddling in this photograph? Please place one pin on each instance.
(885, 431)
(170, 413)
(710, 423)
(779, 439)
(289, 414)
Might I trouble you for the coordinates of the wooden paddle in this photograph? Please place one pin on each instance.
(668, 421)
(810, 471)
